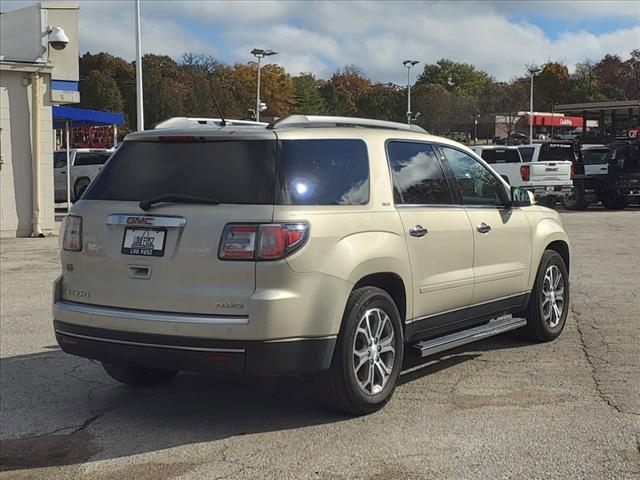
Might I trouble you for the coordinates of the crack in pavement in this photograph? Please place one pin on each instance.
(593, 369)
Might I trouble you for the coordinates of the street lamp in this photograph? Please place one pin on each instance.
(259, 54)
(476, 116)
(533, 70)
(408, 64)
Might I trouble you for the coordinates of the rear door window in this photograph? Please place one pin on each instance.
(323, 172)
(233, 171)
(418, 177)
(91, 158)
(501, 155)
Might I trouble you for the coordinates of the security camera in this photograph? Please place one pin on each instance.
(57, 38)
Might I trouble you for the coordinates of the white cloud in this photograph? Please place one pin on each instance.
(496, 36)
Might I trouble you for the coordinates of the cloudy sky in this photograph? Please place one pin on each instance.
(320, 36)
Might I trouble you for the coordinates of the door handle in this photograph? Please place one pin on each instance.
(483, 228)
(418, 231)
(63, 172)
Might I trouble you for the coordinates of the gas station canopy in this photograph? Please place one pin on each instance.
(80, 117)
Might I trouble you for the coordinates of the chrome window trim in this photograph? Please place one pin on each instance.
(149, 315)
(466, 306)
(159, 220)
(428, 205)
(152, 345)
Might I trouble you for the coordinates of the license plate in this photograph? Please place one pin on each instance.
(148, 242)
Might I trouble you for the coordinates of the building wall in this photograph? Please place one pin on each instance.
(16, 205)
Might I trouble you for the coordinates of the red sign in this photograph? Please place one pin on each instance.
(556, 121)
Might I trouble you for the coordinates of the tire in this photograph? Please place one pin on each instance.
(575, 200)
(613, 201)
(348, 386)
(80, 186)
(138, 376)
(544, 323)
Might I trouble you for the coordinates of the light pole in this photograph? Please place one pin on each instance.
(533, 70)
(139, 94)
(408, 64)
(259, 54)
(476, 116)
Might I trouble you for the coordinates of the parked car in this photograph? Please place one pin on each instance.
(85, 165)
(514, 138)
(611, 176)
(322, 246)
(569, 136)
(549, 181)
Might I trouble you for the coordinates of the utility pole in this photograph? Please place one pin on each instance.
(139, 93)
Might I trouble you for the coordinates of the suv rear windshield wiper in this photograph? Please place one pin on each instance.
(176, 198)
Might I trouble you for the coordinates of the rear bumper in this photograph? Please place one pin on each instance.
(264, 358)
(550, 190)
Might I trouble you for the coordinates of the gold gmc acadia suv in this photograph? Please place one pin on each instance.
(316, 245)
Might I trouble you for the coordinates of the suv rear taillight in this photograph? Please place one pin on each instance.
(271, 241)
(72, 237)
(525, 173)
(573, 170)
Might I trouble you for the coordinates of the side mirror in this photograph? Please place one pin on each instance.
(521, 197)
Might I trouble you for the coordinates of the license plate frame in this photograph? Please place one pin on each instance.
(144, 251)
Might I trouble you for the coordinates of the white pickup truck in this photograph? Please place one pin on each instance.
(548, 180)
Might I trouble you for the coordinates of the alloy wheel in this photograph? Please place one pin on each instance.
(552, 296)
(373, 351)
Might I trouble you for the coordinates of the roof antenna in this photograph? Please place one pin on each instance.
(223, 122)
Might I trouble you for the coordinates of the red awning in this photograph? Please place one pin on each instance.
(556, 121)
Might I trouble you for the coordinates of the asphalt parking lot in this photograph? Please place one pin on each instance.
(501, 408)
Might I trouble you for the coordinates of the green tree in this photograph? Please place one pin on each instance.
(124, 75)
(456, 76)
(307, 98)
(551, 86)
(164, 89)
(382, 101)
(100, 92)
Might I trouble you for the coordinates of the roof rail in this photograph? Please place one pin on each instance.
(319, 121)
(190, 122)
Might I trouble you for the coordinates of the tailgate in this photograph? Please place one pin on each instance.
(550, 173)
(183, 273)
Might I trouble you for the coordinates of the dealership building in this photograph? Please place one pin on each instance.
(38, 70)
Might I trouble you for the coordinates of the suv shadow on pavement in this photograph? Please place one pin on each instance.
(60, 410)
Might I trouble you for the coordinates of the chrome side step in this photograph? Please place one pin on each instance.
(495, 327)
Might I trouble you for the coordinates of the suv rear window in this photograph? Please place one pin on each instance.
(501, 155)
(236, 171)
(309, 172)
(323, 172)
(91, 158)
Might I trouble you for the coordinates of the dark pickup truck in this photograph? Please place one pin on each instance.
(615, 184)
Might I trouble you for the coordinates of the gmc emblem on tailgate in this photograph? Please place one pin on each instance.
(550, 169)
(140, 221)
